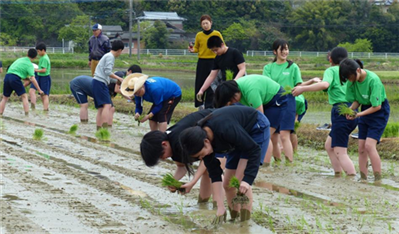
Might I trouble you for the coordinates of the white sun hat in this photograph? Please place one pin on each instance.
(132, 83)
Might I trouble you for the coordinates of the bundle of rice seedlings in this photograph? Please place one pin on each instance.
(73, 129)
(240, 198)
(103, 134)
(38, 134)
(288, 90)
(169, 181)
(229, 75)
(343, 109)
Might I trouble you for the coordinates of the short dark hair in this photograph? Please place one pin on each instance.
(32, 53)
(41, 46)
(135, 69)
(348, 67)
(205, 17)
(151, 147)
(214, 41)
(225, 92)
(191, 141)
(117, 45)
(338, 54)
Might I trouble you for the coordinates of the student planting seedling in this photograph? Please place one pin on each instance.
(337, 141)
(19, 70)
(365, 89)
(157, 145)
(241, 131)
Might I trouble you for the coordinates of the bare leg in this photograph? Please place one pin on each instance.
(153, 125)
(105, 114)
(372, 152)
(346, 163)
(98, 117)
(230, 192)
(84, 113)
(269, 151)
(32, 95)
(205, 186)
(294, 141)
(45, 100)
(333, 159)
(242, 164)
(287, 146)
(275, 138)
(363, 159)
(162, 126)
(25, 102)
(3, 104)
(111, 116)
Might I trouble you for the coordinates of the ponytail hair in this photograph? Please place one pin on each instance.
(225, 92)
(191, 142)
(282, 44)
(348, 68)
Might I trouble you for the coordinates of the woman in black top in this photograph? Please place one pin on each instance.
(240, 131)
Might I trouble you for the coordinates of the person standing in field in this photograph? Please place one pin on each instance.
(205, 59)
(100, 82)
(226, 59)
(43, 78)
(19, 70)
(99, 45)
(336, 143)
(287, 74)
(365, 89)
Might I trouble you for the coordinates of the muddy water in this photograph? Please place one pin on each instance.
(106, 188)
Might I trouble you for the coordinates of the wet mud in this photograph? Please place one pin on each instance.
(68, 183)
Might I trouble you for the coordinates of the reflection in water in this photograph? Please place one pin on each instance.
(291, 192)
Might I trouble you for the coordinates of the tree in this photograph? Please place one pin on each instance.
(7, 40)
(360, 45)
(78, 32)
(156, 37)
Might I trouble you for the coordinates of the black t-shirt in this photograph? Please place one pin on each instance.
(231, 127)
(174, 131)
(228, 61)
(111, 86)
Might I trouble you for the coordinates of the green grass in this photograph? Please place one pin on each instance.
(391, 130)
(38, 134)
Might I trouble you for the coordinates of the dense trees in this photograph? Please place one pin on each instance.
(307, 25)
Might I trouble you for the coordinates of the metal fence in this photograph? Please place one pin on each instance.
(249, 53)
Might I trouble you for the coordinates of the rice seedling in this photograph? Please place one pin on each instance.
(229, 75)
(240, 198)
(343, 109)
(103, 134)
(38, 134)
(73, 129)
(288, 90)
(169, 181)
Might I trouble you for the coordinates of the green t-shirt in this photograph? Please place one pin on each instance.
(300, 104)
(22, 67)
(336, 91)
(44, 62)
(281, 74)
(370, 91)
(257, 90)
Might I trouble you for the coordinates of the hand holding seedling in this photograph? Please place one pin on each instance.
(199, 96)
(188, 187)
(244, 187)
(296, 91)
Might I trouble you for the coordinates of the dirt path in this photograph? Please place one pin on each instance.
(74, 184)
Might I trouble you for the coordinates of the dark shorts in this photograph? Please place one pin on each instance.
(287, 122)
(373, 125)
(100, 94)
(44, 83)
(275, 109)
(260, 133)
(165, 114)
(13, 82)
(340, 128)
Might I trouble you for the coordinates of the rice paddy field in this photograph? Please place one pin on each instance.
(58, 176)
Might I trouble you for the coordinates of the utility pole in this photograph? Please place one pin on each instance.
(138, 39)
(130, 27)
